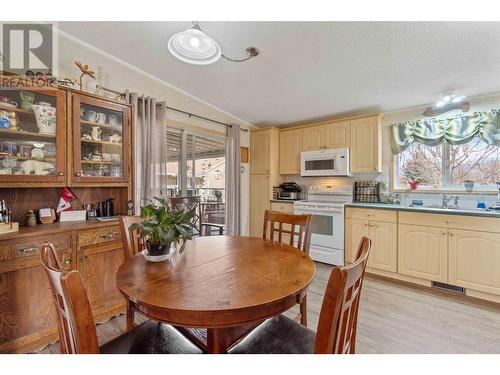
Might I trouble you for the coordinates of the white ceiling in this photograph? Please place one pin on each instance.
(314, 70)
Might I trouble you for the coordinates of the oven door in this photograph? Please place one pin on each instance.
(327, 239)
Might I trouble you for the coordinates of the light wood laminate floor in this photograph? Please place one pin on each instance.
(395, 318)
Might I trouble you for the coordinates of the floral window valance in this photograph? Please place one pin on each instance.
(453, 130)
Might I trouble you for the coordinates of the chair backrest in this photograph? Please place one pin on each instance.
(75, 321)
(338, 318)
(188, 203)
(273, 224)
(132, 243)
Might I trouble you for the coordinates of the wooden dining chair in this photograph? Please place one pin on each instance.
(132, 244)
(337, 326)
(298, 229)
(188, 203)
(77, 328)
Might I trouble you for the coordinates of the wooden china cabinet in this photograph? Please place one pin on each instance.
(81, 141)
(101, 137)
(32, 155)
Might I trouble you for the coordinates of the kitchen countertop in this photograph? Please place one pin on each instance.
(428, 210)
(285, 200)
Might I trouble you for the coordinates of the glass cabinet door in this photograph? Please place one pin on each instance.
(32, 136)
(101, 141)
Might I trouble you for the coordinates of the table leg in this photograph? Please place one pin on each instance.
(130, 316)
(216, 341)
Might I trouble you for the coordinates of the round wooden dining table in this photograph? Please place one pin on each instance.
(218, 283)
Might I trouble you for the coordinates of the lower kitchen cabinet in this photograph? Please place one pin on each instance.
(384, 251)
(355, 229)
(383, 255)
(423, 252)
(475, 260)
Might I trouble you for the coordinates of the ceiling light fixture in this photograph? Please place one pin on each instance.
(447, 103)
(193, 46)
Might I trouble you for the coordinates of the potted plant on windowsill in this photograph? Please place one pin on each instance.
(162, 227)
(413, 179)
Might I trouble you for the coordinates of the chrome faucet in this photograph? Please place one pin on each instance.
(445, 201)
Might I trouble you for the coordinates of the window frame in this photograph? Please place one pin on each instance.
(445, 187)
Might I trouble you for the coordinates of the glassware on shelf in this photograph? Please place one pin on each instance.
(101, 142)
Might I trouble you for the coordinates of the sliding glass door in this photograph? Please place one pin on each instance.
(196, 166)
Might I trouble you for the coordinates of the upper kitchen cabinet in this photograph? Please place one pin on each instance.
(337, 134)
(101, 141)
(366, 144)
(32, 137)
(264, 151)
(314, 137)
(290, 149)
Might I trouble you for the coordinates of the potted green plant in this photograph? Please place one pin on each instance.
(412, 178)
(163, 226)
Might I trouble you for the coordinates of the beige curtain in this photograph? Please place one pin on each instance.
(233, 180)
(453, 130)
(150, 147)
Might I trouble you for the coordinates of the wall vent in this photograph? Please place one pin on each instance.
(448, 287)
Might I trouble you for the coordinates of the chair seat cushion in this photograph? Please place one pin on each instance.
(150, 338)
(278, 335)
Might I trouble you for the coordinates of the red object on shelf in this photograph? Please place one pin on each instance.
(413, 185)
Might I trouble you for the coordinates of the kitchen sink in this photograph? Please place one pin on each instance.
(441, 207)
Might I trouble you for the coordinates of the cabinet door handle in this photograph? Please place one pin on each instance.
(451, 234)
(67, 261)
(60, 174)
(83, 258)
(443, 233)
(78, 174)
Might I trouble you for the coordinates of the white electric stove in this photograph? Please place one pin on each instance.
(326, 204)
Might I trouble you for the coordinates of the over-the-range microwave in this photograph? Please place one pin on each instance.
(333, 162)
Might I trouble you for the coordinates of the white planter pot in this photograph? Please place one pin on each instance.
(45, 118)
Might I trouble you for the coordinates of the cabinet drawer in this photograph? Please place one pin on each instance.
(99, 236)
(25, 248)
(417, 218)
(483, 224)
(371, 214)
(282, 207)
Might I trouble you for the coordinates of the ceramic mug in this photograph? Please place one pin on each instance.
(100, 118)
(90, 115)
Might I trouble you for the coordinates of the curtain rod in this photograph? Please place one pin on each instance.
(180, 111)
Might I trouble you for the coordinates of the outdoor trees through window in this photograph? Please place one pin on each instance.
(448, 166)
